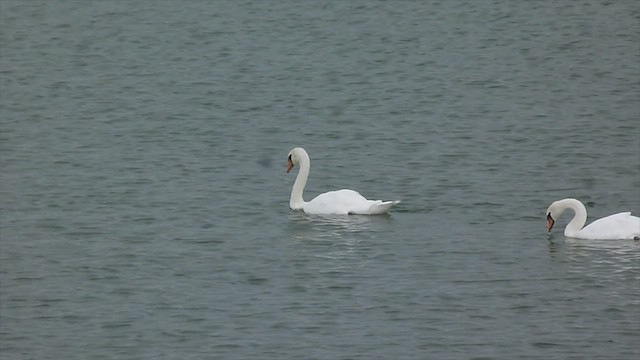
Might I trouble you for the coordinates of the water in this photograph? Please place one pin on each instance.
(144, 201)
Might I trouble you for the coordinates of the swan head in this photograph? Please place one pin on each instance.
(295, 155)
(553, 212)
(550, 222)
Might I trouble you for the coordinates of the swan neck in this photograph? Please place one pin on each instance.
(579, 219)
(296, 202)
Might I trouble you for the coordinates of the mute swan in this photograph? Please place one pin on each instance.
(616, 226)
(343, 201)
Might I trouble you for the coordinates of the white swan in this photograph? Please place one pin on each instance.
(616, 226)
(343, 201)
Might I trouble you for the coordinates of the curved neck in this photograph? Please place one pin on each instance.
(579, 219)
(296, 201)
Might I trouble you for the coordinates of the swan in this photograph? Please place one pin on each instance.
(617, 226)
(345, 201)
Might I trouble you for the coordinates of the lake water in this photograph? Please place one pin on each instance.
(144, 200)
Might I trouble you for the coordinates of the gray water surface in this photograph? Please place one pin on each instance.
(144, 200)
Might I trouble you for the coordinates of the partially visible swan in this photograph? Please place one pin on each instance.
(343, 201)
(616, 226)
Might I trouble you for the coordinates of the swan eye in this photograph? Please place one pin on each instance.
(289, 157)
(549, 216)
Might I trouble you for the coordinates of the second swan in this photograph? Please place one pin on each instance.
(343, 201)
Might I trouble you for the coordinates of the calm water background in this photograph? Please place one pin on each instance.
(144, 203)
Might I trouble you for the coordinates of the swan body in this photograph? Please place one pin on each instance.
(343, 201)
(617, 226)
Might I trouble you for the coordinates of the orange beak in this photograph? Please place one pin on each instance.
(290, 166)
(550, 222)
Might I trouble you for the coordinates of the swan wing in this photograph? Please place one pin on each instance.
(345, 202)
(617, 226)
(377, 207)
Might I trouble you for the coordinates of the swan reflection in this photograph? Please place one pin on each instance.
(603, 257)
(579, 246)
(335, 236)
(337, 225)
(348, 223)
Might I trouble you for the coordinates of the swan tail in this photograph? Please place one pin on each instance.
(381, 207)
